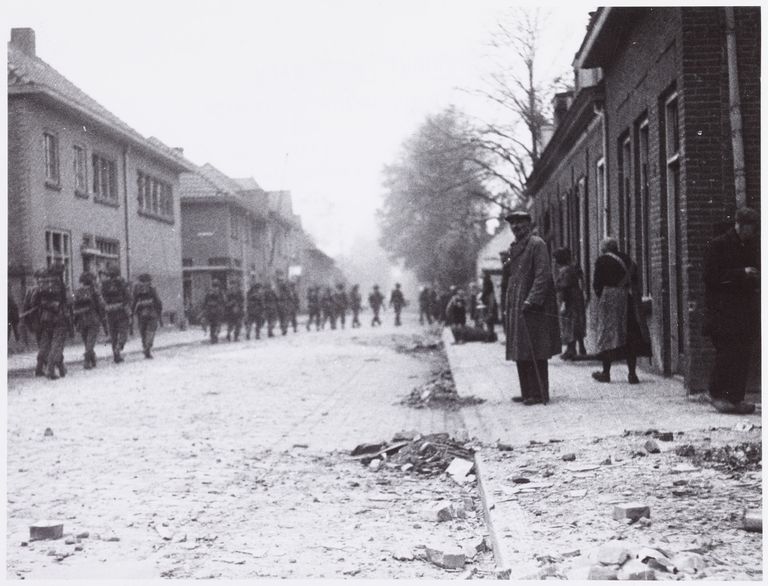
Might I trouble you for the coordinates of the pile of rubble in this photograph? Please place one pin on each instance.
(624, 560)
(733, 458)
(429, 455)
(439, 393)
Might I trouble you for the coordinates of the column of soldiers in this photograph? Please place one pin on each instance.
(277, 306)
(53, 314)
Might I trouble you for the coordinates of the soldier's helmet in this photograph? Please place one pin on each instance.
(40, 273)
(339, 285)
(87, 278)
(215, 283)
(113, 270)
(376, 287)
(144, 278)
(397, 285)
(56, 269)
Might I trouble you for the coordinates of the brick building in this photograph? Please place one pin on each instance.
(84, 188)
(643, 150)
(223, 231)
(233, 230)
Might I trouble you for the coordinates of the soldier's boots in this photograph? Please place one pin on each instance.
(116, 357)
(148, 353)
(51, 372)
(40, 368)
(89, 361)
(62, 369)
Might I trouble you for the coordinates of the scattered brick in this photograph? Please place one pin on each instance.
(651, 447)
(631, 511)
(569, 457)
(46, 530)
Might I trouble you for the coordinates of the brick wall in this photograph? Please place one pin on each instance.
(37, 206)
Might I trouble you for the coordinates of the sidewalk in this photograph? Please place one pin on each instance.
(24, 362)
(581, 408)
(578, 407)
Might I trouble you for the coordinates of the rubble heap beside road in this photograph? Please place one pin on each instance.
(411, 452)
(439, 393)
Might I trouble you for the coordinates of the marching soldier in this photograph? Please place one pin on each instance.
(13, 317)
(213, 307)
(283, 304)
(149, 310)
(313, 306)
(30, 314)
(234, 311)
(356, 303)
(89, 313)
(52, 302)
(397, 301)
(341, 303)
(271, 306)
(375, 300)
(117, 299)
(294, 305)
(328, 307)
(255, 310)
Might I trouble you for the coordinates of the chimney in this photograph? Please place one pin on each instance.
(24, 40)
(560, 104)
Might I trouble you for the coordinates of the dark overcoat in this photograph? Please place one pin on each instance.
(733, 299)
(573, 320)
(532, 334)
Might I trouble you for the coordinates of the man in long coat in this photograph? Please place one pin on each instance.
(732, 284)
(533, 331)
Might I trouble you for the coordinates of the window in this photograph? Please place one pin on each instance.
(671, 141)
(583, 255)
(625, 192)
(603, 208)
(58, 251)
(51, 158)
(104, 179)
(644, 235)
(108, 248)
(81, 182)
(155, 197)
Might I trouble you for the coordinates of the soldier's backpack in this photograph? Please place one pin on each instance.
(50, 295)
(113, 291)
(83, 300)
(144, 298)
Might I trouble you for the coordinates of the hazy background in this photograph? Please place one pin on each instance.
(310, 96)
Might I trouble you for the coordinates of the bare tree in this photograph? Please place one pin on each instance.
(511, 144)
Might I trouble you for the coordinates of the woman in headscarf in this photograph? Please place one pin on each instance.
(621, 329)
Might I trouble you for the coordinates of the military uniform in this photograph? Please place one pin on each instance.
(328, 308)
(213, 307)
(355, 303)
(255, 311)
(283, 305)
(89, 315)
(375, 300)
(271, 307)
(234, 312)
(117, 299)
(30, 313)
(293, 307)
(424, 309)
(397, 301)
(53, 304)
(313, 306)
(149, 309)
(341, 304)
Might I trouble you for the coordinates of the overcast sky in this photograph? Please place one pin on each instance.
(310, 96)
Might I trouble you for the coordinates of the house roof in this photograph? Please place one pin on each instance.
(30, 75)
(208, 183)
(605, 34)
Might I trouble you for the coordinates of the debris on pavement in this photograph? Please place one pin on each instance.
(652, 447)
(753, 520)
(741, 457)
(632, 511)
(48, 432)
(440, 392)
(46, 530)
(459, 468)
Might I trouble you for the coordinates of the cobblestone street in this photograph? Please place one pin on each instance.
(211, 441)
(233, 461)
